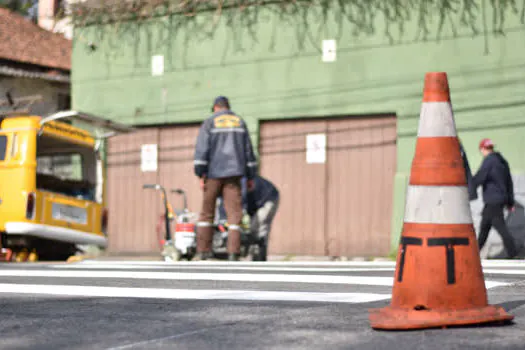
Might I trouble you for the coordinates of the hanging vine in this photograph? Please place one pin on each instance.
(304, 15)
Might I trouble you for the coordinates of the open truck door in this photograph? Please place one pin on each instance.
(102, 129)
(99, 123)
(59, 204)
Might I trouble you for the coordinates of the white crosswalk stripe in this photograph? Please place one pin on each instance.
(168, 293)
(333, 282)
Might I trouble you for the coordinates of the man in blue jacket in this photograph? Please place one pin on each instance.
(261, 204)
(498, 193)
(472, 191)
(223, 156)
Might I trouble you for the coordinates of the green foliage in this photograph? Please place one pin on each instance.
(361, 14)
(20, 6)
(394, 19)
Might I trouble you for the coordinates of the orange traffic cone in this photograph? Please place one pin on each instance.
(439, 280)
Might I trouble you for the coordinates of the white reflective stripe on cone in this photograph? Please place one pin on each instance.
(234, 228)
(437, 205)
(436, 120)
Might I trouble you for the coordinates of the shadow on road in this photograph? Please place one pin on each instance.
(511, 305)
(516, 223)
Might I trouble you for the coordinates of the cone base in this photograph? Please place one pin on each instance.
(390, 318)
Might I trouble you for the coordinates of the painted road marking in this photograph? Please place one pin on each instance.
(233, 268)
(189, 294)
(502, 271)
(195, 276)
(501, 267)
(171, 337)
(339, 264)
(243, 263)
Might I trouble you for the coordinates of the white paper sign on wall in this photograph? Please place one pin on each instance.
(157, 65)
(148, 158)
(329, 50)
(316, 148)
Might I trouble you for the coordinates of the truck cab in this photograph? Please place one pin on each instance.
(52, 188)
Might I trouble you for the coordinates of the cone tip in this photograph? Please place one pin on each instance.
(436, 87)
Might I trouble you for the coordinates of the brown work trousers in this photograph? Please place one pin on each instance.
(230, 188)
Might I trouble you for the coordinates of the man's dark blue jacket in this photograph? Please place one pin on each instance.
(494, 175)
(472, 189)
(224, 148)
(254, 200)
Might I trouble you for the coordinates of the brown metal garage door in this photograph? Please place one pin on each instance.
(341, 207)
(134, 212)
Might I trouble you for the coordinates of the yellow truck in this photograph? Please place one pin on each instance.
(52, 188)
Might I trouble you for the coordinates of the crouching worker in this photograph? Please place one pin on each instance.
(261, 204)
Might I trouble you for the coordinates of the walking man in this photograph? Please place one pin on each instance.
(223, 155)
(261, 204)
(498, 193)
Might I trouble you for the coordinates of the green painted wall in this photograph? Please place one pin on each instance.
(270, 66)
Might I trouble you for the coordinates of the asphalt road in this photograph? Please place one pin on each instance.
(204, 305)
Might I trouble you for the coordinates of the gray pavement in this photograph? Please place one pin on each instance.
(274, 305)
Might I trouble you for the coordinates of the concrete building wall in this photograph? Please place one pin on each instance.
(270, 66)
(49, 91)
(51, 17)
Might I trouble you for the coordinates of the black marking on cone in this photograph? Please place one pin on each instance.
(449, 244)
(406, 241)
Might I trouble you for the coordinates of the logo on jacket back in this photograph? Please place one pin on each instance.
(227, 121)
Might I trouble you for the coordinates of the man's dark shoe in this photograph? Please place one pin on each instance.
(233, 257)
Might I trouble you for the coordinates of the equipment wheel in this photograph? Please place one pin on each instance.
(171, 254)
(261, 251)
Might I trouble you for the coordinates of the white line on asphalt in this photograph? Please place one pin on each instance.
(233, 268)
(495, 269)
(241, 277)
(191, 294)
(504, 272)
(503, 263)
(373, 264)
(242, 263)
(168, 266)
(176, 336)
